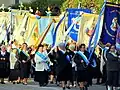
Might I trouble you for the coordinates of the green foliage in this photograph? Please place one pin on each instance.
(61, 5)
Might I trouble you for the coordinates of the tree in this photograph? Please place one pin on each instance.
(89, 4)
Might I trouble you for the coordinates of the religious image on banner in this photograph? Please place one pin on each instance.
(72, 14)
(111, 24)
(5, 25)
(90, 30)
(88, 23)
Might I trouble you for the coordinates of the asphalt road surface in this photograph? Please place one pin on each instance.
(34, 86)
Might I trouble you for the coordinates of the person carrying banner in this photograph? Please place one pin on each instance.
(64, 66)
(81, 60)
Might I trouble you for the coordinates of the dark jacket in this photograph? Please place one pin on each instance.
(4, 65)
(78, 60)
(112, 62)
(62, 61)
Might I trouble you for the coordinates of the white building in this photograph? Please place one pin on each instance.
(10, 2)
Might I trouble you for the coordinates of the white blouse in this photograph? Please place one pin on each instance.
(41, 66)
(13, 60)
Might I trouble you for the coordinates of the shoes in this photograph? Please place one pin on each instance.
(68, 87)
(63, 88)
(24, 83)
(51, 82)
(18, 82)
(74, 85)
(2, 82)
(13, 82)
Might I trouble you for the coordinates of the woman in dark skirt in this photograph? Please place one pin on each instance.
(112, 68)
(63, 66)
(25, 64)
(14, 66)
(81, 63)
(4, 64)
(41, 67)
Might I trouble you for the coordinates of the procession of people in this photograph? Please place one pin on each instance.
(67, 65)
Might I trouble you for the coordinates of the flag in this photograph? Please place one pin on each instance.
(4, 25)
(111, 23)
(57, 29)
(87, 26)
(118, 39)
(96, 35)
(32, 31)
(43, 23)
(72, 14)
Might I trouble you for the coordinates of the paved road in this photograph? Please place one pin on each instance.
(35, 86)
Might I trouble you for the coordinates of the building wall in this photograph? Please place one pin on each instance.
(10, 2)
(6, 2)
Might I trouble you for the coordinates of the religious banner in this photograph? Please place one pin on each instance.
(72, 14)
(5, 25)
(43, 23)
(111, 23)
(87, 26)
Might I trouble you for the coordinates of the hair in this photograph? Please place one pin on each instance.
(3, 46)
(40, 46)
(81, 46)
(25, 44)
(110, 47)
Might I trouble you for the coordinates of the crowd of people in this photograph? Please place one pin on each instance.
(67, 65)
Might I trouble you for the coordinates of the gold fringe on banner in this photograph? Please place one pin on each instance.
(113, 5)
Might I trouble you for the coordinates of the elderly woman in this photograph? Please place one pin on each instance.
(112, 68)
(4, 64)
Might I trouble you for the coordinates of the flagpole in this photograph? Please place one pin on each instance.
(45, 33)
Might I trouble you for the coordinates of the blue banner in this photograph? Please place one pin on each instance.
(111, 23)
(72, 14)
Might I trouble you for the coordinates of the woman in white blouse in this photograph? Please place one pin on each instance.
(41, 68)
(14, 66)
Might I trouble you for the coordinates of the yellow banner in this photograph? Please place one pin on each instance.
(87, 25)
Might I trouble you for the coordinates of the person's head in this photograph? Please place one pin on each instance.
(45, 47)
(112, 48)
(15, 50)
(40, 48)
(24, 46)
(3, 48)
(82, 47)
(62, 46)
(108, 45)
(72, 47)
